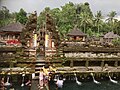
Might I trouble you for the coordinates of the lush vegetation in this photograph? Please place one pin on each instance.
(67, 17)
(6, 17)
(70, 15)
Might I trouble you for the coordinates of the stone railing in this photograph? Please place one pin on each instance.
(92, 55)
(90, 49)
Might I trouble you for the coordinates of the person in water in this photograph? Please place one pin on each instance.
(41, 79)
(46, 77)
(2, 84)
(59, 82)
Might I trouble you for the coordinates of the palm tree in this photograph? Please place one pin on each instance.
(85, 21)
(117, 26)
(111, 19)
(98, 18)
(86, 16)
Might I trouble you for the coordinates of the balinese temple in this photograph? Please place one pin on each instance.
(49, 44)
(23, 55)
(41, 40)
(50, 36)
(77, 53)
(76, 35)
(28, 35)
(108, 37)
(10, 33)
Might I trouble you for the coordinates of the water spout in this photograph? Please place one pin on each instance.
(33, 75)
(23, 75)
(113, 81)
(7, 83)
(95, 81)
(56, 78)
(79, 83)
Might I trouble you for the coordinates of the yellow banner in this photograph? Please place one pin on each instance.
(46, 37)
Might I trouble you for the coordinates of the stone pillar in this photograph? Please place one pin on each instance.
(102, 64)
(116, 63)
(87, 64)
(50, 40)
(71, 63)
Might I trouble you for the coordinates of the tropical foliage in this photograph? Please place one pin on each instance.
(116, 42)
(6, 17)
(67, 17)
(21, 16)
(70, 15)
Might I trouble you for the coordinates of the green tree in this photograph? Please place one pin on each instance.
(86, 16)
(116, 42)
(55, 13)
(111, 19)
(5, 16)
(117, 25)
(67, 18)
(42, 17)
(90, 32)
(98, 20)
(85, 22)
(4, 13)
(70, 15)
(21, 16)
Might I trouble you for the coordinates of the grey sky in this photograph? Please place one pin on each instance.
(31, 5)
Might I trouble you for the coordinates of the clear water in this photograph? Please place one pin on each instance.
(106, 84)
(15, 81)
(71, 85)
(18, 87)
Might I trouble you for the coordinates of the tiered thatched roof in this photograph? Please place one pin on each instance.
(111, 35)
(13, 27)
(76, 32)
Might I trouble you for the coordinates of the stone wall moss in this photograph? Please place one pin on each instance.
(13, 56)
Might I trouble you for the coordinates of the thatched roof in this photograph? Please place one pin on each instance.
(76, 32)
(12, 27)
(111, 35)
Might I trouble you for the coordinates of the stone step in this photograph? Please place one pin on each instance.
(37, 61)
(38, 68)
(39, 64)
(40, 57)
